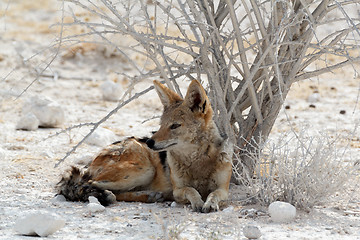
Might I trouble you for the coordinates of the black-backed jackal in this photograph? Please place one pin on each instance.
(200, 167)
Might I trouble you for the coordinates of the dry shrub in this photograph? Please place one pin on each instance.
(298, 169)
(247, 54)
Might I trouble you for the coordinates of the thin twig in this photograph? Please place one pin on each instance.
(318, 72)
(69, 129)
(52, 59)
(97, 124)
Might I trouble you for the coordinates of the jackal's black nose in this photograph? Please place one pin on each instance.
(150, 143)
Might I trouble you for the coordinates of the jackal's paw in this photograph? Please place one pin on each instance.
(197, 205)
(211, 204)
(156, 197)
(110, 197)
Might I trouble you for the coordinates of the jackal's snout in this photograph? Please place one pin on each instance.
(160, 144)
(150, 143)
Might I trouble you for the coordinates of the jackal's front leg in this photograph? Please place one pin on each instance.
(221, 179)
(189, 194)
(212, 201)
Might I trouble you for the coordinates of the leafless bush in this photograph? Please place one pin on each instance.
(247, 52)
(301, 170)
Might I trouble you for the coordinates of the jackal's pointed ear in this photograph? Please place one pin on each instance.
(167, 96)
(197, 100)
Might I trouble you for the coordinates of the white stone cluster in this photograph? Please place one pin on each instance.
(40, 112)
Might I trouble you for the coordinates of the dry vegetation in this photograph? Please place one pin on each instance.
(301, 169)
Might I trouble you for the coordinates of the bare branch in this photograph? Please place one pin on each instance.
(52, 59)
(249, 53)
(104, 119)
(318, 72)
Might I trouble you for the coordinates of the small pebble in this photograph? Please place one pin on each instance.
(111, 91)
(313, 98)
(95, 207)
(228, 209)
(101, 137)
(85, 159)
(252, 232)
(47, 154)
(312, 106)
(58, 198)
(93, 199)
(173, 204)
(342, 112)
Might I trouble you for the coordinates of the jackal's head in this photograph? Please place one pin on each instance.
(184, 121)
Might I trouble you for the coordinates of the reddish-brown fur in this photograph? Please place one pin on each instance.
(129, 169)
(132, 165)
(200, 164)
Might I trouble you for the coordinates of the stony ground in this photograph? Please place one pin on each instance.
(27, 158)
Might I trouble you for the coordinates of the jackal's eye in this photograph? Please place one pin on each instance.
(175, 126)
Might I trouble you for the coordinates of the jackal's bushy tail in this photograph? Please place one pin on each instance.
(76, 186)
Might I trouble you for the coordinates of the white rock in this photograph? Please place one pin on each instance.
(282, 212)
(28, 122)
(47, 154)
(95, 207)
(101, 137)
(84, 160)
(229, 209)
(313, 98)
(252, 232)
(58, 198)
(93, 199)
(48, 112)
(111, 91)
(173, 204)
(39, 224)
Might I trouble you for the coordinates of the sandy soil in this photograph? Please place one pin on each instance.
(27, 158)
